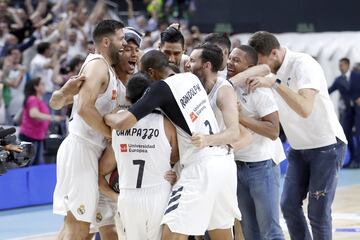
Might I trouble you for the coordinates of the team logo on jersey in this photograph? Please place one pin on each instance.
(193, 116)
(123, 148)
(81, 209)
(98, 217)
(114, 94)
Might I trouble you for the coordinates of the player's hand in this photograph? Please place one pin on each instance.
(256, 82)
(199, 140)
(13, 148)
(171, 177)
(73, 85)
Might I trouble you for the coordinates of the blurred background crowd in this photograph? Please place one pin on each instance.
(44, 42)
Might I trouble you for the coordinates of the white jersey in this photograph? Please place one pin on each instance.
(122, 102)
(213, 97)
(105, 103)
(194, 104)
(142, 153)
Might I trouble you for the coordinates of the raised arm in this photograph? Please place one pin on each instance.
(258, 70)
(302, 101)
(64, 96)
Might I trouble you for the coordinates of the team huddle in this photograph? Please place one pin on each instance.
(188, 145)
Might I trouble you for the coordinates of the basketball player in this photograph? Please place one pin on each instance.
(172, 44)
(258, 170)
(205, 62)
(204, 197)
(143, 155)
(76, 192)
(107, 207)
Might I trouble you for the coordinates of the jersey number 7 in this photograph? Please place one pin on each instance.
(141, 164)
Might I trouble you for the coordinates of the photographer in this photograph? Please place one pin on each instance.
(36, 118)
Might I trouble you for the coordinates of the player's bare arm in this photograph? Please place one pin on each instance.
(171, 135)
(244, 140)
(120, 121)
(97, 79)
(268, 126)
(302, 102)
(107, 165)
(258, 70)
(226, 102)
(64, 96)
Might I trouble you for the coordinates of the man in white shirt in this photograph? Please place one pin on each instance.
(315, 135)
(257, 164)
(42, 66)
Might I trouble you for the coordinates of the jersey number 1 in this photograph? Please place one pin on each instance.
(141, 164)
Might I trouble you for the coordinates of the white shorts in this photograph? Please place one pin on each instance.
(105, 213)
(204, 198)
(77, 178)
(141, 211)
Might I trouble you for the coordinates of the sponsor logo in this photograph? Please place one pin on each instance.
(123, 148)
(114, 94)
(98, 217)
(193, 117)
(81, 210)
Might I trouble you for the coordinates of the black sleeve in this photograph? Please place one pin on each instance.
(156, 96)
(334, 86)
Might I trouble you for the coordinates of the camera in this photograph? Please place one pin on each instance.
(11, 157)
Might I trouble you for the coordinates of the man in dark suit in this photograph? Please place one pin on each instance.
(354, 92)
(346, 106)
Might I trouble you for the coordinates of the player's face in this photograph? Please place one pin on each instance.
(129, 58)
(173, 51)
(237, 62)
(195, 63)
(272, 60)
(116, 47)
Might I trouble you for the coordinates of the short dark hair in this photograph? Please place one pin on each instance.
(221, 39)
(264, 42)
(211, 53)
(154, 59)
(136, 86)
(42, 47)
(251, 54)
(345, 60)
(75, 61)
(172, 35)
(105, 28)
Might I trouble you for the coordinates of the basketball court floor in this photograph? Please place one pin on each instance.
(38, 223)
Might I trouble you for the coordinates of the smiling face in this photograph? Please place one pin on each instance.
(195, 63)
(237, 62)
(116, 46)
(129, 58)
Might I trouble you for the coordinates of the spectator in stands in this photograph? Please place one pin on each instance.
(36, 118)
(346, 106)
(14, 74)
(42, 66)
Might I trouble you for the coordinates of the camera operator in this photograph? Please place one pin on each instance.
(12, 153)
